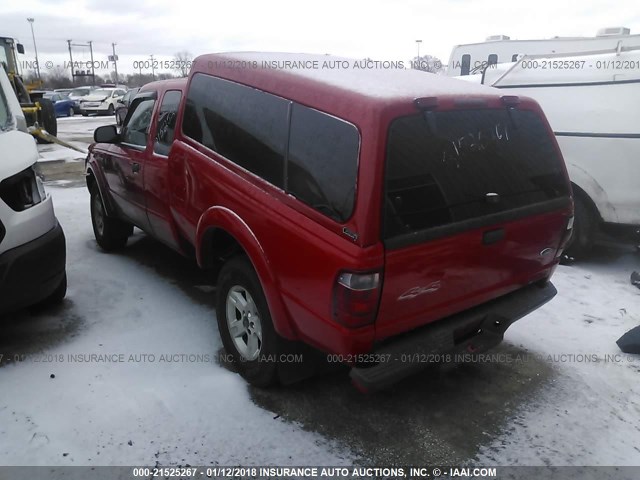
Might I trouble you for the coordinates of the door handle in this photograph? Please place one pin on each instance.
(135, 167)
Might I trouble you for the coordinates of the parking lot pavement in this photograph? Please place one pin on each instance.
(150, 301)
(62, 166)
(147, 301)
(134, 354)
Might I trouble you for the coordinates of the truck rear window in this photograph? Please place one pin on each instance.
(464, 165)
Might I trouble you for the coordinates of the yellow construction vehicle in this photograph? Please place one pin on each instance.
(38, 111)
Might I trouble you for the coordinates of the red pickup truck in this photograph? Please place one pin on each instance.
(379, 215)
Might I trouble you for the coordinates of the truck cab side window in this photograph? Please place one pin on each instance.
(167, 122)
(136, 128)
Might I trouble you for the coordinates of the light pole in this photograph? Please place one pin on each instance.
(35, 48)
(153, 68)
(115, 61)
(418, 42)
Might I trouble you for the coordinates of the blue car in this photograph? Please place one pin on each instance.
(61, 104)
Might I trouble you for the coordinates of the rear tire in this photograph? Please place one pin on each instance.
(584, 229)
(245, 325)
(47, 118)
(111, 233)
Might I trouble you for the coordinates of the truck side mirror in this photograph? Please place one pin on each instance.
(106, 134)
(20, 48)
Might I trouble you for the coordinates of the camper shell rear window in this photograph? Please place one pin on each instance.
(451, 170)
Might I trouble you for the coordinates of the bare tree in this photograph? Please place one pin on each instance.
(427, 63)
(29, 76)
(183, 60)
(165, 76)
(58, 77)
(139, 79)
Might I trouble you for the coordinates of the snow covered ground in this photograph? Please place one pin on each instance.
(141, 408)
(78, 131)
(590, 413)
(126, 372)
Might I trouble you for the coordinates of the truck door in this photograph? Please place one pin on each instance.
(156, 185)
(128, 161)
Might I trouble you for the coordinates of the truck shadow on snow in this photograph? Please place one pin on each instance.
(440, 416)
(25, 335)
(198, 284)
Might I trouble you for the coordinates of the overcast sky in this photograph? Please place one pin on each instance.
(377, 29)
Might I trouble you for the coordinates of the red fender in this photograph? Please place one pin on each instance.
(222, 218)
(103, 189)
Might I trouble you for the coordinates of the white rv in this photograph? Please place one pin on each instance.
(473, 57)
(592, 101)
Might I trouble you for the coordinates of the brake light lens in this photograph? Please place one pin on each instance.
(510, 100)
(355, 298)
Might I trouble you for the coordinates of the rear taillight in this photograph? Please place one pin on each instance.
(355, 298)
(566, 236)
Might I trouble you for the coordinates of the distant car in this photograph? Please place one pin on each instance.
(62, 105)
(102, 100)
(123, 104)
(78, 94)
(63, 91)
(112, 85)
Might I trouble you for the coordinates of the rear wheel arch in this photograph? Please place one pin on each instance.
(578, 191)
(586, 224)
(217, 246)
(591, 192)
(222, 235)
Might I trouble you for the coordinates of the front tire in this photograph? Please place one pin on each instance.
(110, 110)
(111, 233)
(584, 229)
(245, 325)
(70, 113)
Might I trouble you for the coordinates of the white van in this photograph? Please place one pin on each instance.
(32, 243)
(592, 101)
